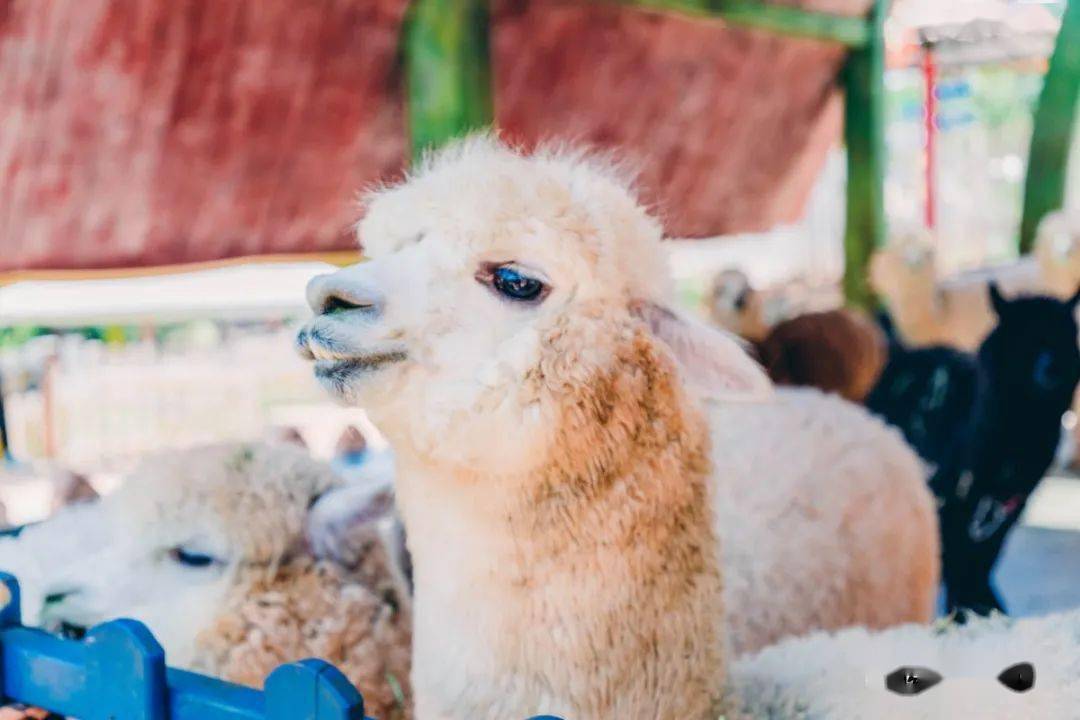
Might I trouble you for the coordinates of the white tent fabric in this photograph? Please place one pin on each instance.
(243, 292)
(971, 32)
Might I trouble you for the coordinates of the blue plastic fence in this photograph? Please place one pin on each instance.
(118, 672)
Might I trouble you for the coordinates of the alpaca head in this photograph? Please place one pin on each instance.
(188, 538)
(735, 305)
(731, 298)
(1057, 248)
(1032, 354)
(499, 282)
(905, 270)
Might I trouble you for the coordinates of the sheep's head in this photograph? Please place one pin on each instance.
(497, 281)
(188, 545)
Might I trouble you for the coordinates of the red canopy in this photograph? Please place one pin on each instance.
(148, 132)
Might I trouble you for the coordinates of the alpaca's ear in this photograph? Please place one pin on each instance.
(714, 362)
(335, 516)
(997, 301)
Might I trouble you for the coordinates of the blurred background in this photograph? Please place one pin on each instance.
(172, 174)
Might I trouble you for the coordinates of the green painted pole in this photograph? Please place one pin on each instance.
(864, 134)
(781, 19)
(5, 453)
(448, 70)
(1051, 136)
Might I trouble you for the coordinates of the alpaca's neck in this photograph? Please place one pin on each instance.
(501, 527)
(1013, 421)
(918, 313)
(606, 557)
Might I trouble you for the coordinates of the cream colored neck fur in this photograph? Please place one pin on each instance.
(590, 589)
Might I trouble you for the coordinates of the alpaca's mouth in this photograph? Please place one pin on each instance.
(65, 628)
(71, 631)
(341, 370)
(334, 354)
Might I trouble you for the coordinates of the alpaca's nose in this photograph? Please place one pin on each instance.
(341, 292)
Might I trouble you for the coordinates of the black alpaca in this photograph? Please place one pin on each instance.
(988, 426)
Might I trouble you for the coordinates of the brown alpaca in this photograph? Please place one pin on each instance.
(837, 351)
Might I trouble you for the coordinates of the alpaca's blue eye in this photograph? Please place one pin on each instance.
(1046, 371)
(513, 284)
(196, 560)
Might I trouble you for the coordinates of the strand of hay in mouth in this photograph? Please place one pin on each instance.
(370, 362)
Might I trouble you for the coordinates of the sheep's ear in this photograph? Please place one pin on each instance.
(997, 301)
(335, 516)
(714, 362)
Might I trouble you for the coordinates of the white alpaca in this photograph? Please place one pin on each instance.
(207, 548)
(570, 453)
(842, 677)
(735, 305)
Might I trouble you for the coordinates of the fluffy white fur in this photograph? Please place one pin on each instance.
(260, 601)
(842, 677)
(554, 457)
(822, 516)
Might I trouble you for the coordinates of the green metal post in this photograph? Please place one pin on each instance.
(448, 70)
(1051, 136)
(864, 134)
(782, 19)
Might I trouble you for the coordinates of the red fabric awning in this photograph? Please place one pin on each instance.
(149, 132)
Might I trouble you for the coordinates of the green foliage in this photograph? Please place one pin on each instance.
(12, 337)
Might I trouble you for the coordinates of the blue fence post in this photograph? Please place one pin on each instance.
(10, 611)
(125, 671)
(10, 606)
(311, 690)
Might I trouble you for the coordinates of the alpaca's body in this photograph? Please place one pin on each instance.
(985, 464)
(840, 531)
(988, 425)
(813, 546)
(838, 351)
(510, 337)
